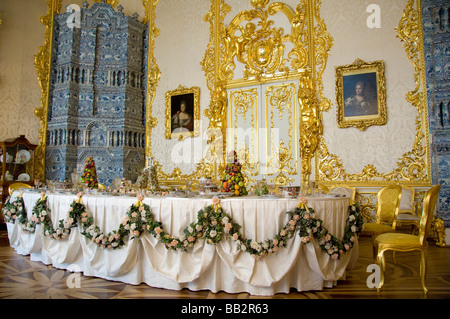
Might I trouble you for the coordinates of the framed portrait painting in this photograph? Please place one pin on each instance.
(361, 94)
(182, 112)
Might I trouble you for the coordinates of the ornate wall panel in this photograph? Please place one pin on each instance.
(265, 41)
(263, 130)
(398, 151)
(178, 52)
(20, 34)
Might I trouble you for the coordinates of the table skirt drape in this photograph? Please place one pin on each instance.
(220, 267)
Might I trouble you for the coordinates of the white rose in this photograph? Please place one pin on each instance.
(212, 233)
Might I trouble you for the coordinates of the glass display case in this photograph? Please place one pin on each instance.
(18, 164)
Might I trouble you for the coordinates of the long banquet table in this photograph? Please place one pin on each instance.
(220, 267)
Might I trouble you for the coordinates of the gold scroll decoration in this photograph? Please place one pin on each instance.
(310, 124)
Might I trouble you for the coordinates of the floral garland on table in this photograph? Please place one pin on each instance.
(212, 225)
(311, 227)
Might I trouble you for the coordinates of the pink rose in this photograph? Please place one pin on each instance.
(235, 236)
(136, 233)
(158, 230)
(215, 200)
(228, 227)
(191, 239)
(303, 200)
(305, 239)
(275, 242)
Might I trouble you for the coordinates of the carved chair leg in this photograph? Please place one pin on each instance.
(423, 269)
(381, 261)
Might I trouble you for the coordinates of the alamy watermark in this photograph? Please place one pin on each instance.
(74, 280)
(74, 19)
(374, 19)
(373, 280)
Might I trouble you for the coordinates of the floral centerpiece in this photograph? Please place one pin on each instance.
(89, 175)
(232, 179)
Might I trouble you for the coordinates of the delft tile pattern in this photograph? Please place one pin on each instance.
(436, 27)
(97, 104)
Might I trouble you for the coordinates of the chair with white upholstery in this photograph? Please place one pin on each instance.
(343, 190)
(407, 212)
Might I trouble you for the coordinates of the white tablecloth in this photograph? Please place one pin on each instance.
(220, 267)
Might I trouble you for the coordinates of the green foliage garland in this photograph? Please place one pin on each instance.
(212, 225)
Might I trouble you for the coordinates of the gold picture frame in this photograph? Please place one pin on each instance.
(361, 94)
(181, 123)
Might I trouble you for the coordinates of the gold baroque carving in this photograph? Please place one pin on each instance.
(42, 63)
(260, 46)
(153, 72)
(310, 124)
(413, 167)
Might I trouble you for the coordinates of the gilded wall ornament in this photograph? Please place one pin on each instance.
(413, 168)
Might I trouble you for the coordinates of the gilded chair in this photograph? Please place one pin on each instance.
(388, 202)
(408, 242)
(407, 212)
(15, 186)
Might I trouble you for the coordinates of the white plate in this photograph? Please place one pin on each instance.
(24, 177)
(23, 156)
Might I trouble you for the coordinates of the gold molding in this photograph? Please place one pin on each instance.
(42, 63)
(153, 72)
(413, 168)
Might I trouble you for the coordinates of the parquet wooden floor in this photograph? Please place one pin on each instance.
(21, 278)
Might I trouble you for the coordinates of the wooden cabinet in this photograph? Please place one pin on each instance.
(18, 165)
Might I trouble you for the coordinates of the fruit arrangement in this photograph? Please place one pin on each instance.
(232, 179)
(89, 175)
